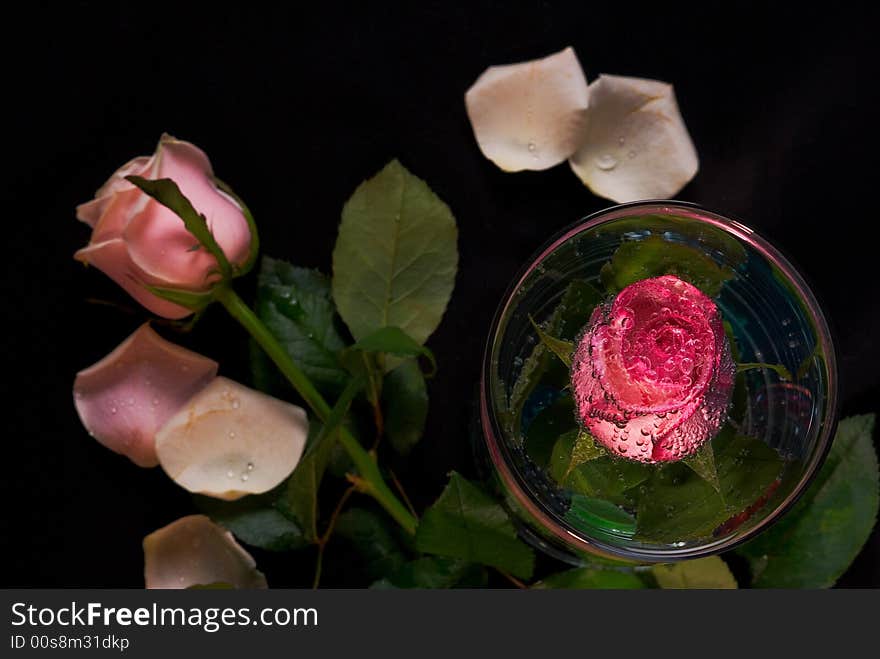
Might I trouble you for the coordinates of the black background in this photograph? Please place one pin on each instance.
(295, 108)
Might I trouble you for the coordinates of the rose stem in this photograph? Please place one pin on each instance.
(370, 481)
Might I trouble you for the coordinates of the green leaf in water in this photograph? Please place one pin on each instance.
(703, 464)
(544, 430)
(572, 449)
(566, 322)
(815, 542)
(396, 256)
(705, 235)
(779, 369)
(405, 406)
(559, 347)
(466, 523)
(600, 514)
(654, 256)
(702, 573)
(610, 478)
(677, 504)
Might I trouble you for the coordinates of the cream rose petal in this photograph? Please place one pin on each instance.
(229, 441)
(530, 115)
(636, 145)
(195, 551)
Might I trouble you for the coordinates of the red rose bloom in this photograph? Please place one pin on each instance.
(652, 375)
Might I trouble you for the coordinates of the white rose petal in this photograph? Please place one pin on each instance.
(530, 115)
(636, 145)
(195, 551)
(229, 441)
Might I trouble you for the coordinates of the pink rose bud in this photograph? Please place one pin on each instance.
(652, 375)
(138, 242)
(126, 397)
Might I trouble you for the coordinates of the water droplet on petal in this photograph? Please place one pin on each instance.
(606, 162)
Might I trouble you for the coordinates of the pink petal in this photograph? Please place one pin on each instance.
(118, 210)
(91, 211)
(628, 396)
(189, 166)
(126, 397)
(112, 258)
(157, 239)
(195, 551)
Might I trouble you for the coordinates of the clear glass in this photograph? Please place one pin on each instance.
(774, 319)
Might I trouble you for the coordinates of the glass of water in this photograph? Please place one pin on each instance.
(574, 496)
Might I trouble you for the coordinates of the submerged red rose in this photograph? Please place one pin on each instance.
(652, 375)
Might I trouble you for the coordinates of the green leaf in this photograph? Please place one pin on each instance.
(435, 572)
(571, 450)
(779, 369)
(370, 535)
(566, 322)
(296, 306)
(600, 514)
(559, 347)
(705, 235)
(704, 573)
(593, 578)
(300, 496)
(396, 256)
(608, 477)
(166, 192)
(815, 542)
(365, 365)
(394, 341)
(253, 520)
(677, 504)
(466, 523)
(653, 256)
(405, 399)
(703, 464)
(544, 430)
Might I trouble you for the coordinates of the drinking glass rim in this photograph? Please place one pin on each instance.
(491, 429)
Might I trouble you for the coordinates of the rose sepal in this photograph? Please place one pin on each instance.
(188, 299)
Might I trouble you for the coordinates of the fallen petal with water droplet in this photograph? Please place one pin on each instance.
(126, 397)
(195, 551)
(635, 145)
(229, 428)
(530, 115)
